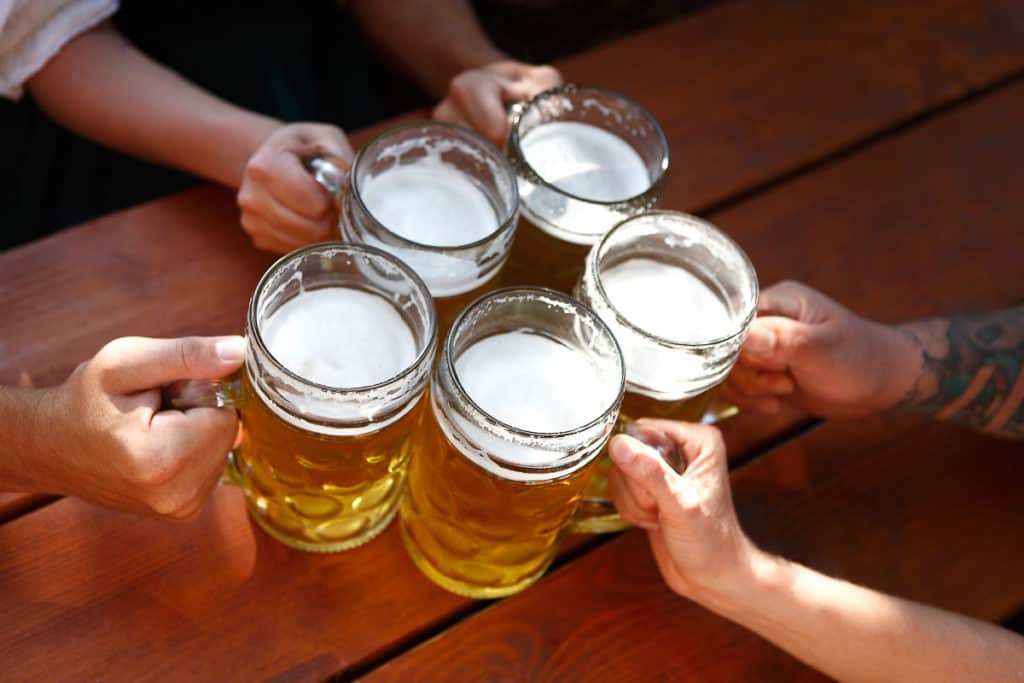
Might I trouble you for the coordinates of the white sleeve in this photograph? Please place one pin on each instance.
(33, 31)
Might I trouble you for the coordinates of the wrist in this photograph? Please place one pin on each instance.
(760, 574)
(900, 366)
(239, 134)
(729, 586)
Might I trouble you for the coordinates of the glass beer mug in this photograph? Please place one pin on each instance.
(523, 399)
(679, 295)
(586, 158)
(437, 196)
(340, 340)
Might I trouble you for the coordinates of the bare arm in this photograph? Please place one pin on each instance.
(443, 48)
(103, 437)
(807, 349)
(849, 632)
(856, 634)
(100, 86)
(430, 40)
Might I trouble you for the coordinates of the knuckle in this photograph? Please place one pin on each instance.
(460, 88)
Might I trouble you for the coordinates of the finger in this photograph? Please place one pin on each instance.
(447, 111)
(645, 469)
(533, 81)
(264, 238)
(478, 97)
(773, 342)
(133, 364)
(756, 383)
(696, 442)
(262, 214)
(625, 496)
(764, 405)
(787, 298)
(201, 438)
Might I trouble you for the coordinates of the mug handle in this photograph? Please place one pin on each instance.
(597, 514)
(331, 173)
(204, 393)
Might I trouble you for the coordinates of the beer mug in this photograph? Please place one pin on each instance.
(679, 295)
(437, 196)
(586, 158)
(340, 340)
(524, 397)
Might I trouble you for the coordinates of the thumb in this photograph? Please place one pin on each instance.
(774, 342)
(133, 364)
(645, 469)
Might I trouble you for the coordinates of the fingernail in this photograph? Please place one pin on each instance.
(759, 343)
(231, 349)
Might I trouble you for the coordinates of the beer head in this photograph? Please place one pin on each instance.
(585, 158)
(678, 294)
(341, 338)
(528, 384)
(439, 197)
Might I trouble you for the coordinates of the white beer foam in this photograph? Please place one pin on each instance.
(667, 301)
(532, 382)
(585, 161)
(430, 202)
(340, 337)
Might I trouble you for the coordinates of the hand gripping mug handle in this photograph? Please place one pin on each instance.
(203, 393)
(596, 514)
(330, 172)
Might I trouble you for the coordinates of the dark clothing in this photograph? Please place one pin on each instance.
(295, 61)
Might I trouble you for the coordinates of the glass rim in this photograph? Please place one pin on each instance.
(529, 434)
(295, 255)
(595, 254)
(503, 225)
(571, 88)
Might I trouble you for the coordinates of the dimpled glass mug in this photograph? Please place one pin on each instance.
(679, 295)
(340, 340)
(524, 397)
(437, 196)
(585, 158)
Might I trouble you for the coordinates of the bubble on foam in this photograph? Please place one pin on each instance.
(340, 337)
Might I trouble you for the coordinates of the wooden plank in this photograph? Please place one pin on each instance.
(748, 91)
(914, 509)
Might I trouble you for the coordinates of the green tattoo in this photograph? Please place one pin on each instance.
(973, 371)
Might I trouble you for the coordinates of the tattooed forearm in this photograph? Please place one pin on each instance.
(973, 370)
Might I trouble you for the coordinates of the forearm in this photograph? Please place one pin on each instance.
(103, 88)
(855, 634)
(429, 40)
(25, 428)
(972, 370)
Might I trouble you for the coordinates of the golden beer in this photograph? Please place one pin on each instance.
(523, 398)
(442, 199)
(585, 159)
(679, 295)
(340, 343)
(317, 491)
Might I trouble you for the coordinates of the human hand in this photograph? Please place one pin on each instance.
(282, 206)
(477, 97)
(690, 520)
(806, 349)
(113, 445)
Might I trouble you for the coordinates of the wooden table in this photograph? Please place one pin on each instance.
(872, 150)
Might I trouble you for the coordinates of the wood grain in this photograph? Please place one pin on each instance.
(912, 508)
(391, 604)
(749, 91)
